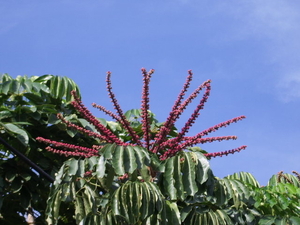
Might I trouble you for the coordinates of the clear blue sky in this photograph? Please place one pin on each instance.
(250, 50)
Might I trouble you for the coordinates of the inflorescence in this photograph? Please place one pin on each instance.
(161, 145)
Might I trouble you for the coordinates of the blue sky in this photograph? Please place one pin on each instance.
(249, 49)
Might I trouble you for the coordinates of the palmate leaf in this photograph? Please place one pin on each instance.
(236, 191)
(183, 174)
(53, 207)
(243, 216)
(143, 203)
(227, 204)
(217, 217)
(5, 87)
(100, 219)
(26, 108)
(125, 159)
(60, 87)
(169, 215)
(284, 178)
(21, 85)
(131, 203)
(71, 186)
(5, 77)
(245, 177)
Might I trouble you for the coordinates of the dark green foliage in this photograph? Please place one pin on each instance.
(123, 184)
(28, 108)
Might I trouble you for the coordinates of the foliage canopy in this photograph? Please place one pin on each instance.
(133, 170)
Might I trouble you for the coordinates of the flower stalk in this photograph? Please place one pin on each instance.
(162, 141)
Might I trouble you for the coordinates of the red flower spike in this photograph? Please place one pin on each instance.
(193, 141)
(145, 106)
(216, 127)
(75, 148)
(209, 155)
(174, 114)
(121, 119)
(193, 117)
(161, 145)
(107, 112)
(81, 129)
(109, 136)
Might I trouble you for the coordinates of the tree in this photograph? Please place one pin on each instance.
(136, 170)
(28, 108)
(141, 171)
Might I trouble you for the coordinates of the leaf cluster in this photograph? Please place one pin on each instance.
(28, 108)
(123, 184)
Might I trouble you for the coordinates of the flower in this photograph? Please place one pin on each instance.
(160, 140)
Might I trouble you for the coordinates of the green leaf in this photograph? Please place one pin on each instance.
(55, 85)
(113, 126)
(117, 160)
(56, 201)
(34, 98)
(188, 176)
(284, 201)
(109, 178)
(142, 156)
(81, 167)
(108, 151)
(21, 134)
(116, 203)
(5, 87)
(10, 175)
(156, 164)
(92, 161)
(202, 168)
(145, 173)
(79, 209)
(147, 207)
(249, 216)
(100, 169)
(59, 175)
(173, 214)
(178, 179)
(295, 220)
(169, 181)
(27, 85)
(15, 87)
(236, 191)
(25, 176)
(132, 196)
(28, 109)
(48, 108)
(281, 221)
(221, 194)
(222, 217)
(102, 121)
(71, 132)
(184, 212)
(5, 77)
(5, 114)
(73, 167)
(133, 114)
(245, 177)
(130, 164)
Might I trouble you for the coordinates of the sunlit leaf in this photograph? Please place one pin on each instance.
(20, 133)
